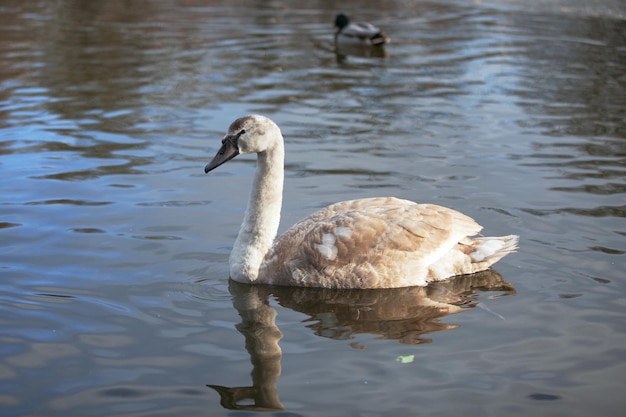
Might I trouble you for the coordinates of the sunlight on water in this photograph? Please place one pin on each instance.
(114, 244)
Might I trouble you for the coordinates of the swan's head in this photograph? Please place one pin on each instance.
(248, 134)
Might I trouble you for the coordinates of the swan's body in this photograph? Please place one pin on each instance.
(358, 33)
(367, 243)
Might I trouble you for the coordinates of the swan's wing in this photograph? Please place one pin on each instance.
(369, 239)
(367, 226)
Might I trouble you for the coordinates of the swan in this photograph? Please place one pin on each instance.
(358, 33)
(380, 242)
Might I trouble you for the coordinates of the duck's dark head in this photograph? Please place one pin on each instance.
(341, 21)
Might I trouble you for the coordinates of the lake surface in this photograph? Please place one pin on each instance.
(114, 290)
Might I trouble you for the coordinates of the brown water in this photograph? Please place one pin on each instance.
(114, 292)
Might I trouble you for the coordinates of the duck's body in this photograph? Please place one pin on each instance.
(367, 243)
(363, 33)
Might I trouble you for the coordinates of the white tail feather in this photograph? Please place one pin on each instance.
(493, 248)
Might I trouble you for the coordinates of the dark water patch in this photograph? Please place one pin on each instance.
(122, 392)
(608, 250)
(87, 230)
(600, 189)
(67, 201)
(569, 296)
(602, 211)
(6, 225)
(156, 237)
(173, 203)
(122, 185)
(544, 397)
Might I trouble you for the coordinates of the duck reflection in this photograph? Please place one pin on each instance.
(361, 51)
(402, 314)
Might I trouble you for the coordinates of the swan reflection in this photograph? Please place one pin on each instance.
(402, 314)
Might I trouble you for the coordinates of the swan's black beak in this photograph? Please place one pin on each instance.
(228, 151)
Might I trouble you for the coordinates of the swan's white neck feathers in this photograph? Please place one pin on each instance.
(262, 217)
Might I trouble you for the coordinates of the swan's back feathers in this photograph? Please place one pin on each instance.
(372, 243)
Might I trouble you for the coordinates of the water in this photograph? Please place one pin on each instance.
(114, 297)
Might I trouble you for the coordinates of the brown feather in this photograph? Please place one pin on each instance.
(373, 243)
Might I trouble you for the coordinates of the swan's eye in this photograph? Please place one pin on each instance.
(242, 131)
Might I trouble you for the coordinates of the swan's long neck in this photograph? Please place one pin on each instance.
(260, 223)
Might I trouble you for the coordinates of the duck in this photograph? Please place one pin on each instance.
(358, 33)
(380, 242)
